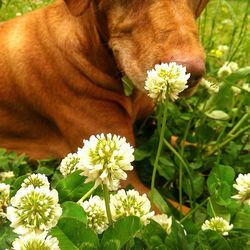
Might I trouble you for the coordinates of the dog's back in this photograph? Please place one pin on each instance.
(47, 104)
(58, 78)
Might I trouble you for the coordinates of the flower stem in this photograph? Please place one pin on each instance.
(107, 203)
(212, 208)
(185, 166)
(229, 139)
(88, 194)
(163, 127)
(194, 210)
(180, 188)
(218, 140)
(235, 128)
(181, 165)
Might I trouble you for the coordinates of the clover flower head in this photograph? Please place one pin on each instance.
(96, 214)
(104, 158)
(233, 65)
(164, 221)
(166, 81)
(36, 242)
(227, 69)
(217, 224)
(243, 187)
(228, 22)
(236, 90)
(246, 87)
(4, 198)
(34, 209)
(223, 48)
(36, 180)
(211, 87)
(6, 175)
(69, 164)
(129, 203)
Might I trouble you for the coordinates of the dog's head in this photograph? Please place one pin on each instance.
(142, 33)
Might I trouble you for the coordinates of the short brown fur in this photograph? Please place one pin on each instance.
(59, 69)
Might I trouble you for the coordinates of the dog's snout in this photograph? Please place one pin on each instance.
(195, 67)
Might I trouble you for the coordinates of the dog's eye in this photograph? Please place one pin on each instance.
(124, 29)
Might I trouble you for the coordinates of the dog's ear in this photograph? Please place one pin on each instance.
(77, 7)
(201, 6)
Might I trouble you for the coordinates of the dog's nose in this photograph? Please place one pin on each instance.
(195, 67)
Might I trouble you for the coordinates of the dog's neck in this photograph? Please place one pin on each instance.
(80, 38)
(83, 45)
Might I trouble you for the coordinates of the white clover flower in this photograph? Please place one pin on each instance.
(234, 66)
(34, 241)
(227, 22)
(227, 69)
(224, 71)
(211, 87)
(6, 175)
(166, 80)
(104, 159)
(69, 164)
(223, 48)
(129, 203)
(243, 187)
(96, 214)
(4, 198)
(164, 221)
(236, 90)
(36, 180)
(34, 209)
(246, 87)
(217, 224)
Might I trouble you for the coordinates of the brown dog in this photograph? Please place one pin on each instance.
(59, 68)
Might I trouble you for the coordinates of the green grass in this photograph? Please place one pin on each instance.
(227, 23)
(12, 8)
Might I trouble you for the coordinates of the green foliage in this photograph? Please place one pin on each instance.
(116, 236)
(159, 201)
(153, 236)
(220, 182)
(127, 86)
(9, 161)
(71, 230)
(212, 240)
(13, 8)
(6, 236)
(72, 210)
(177, 239)
(72, 187)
